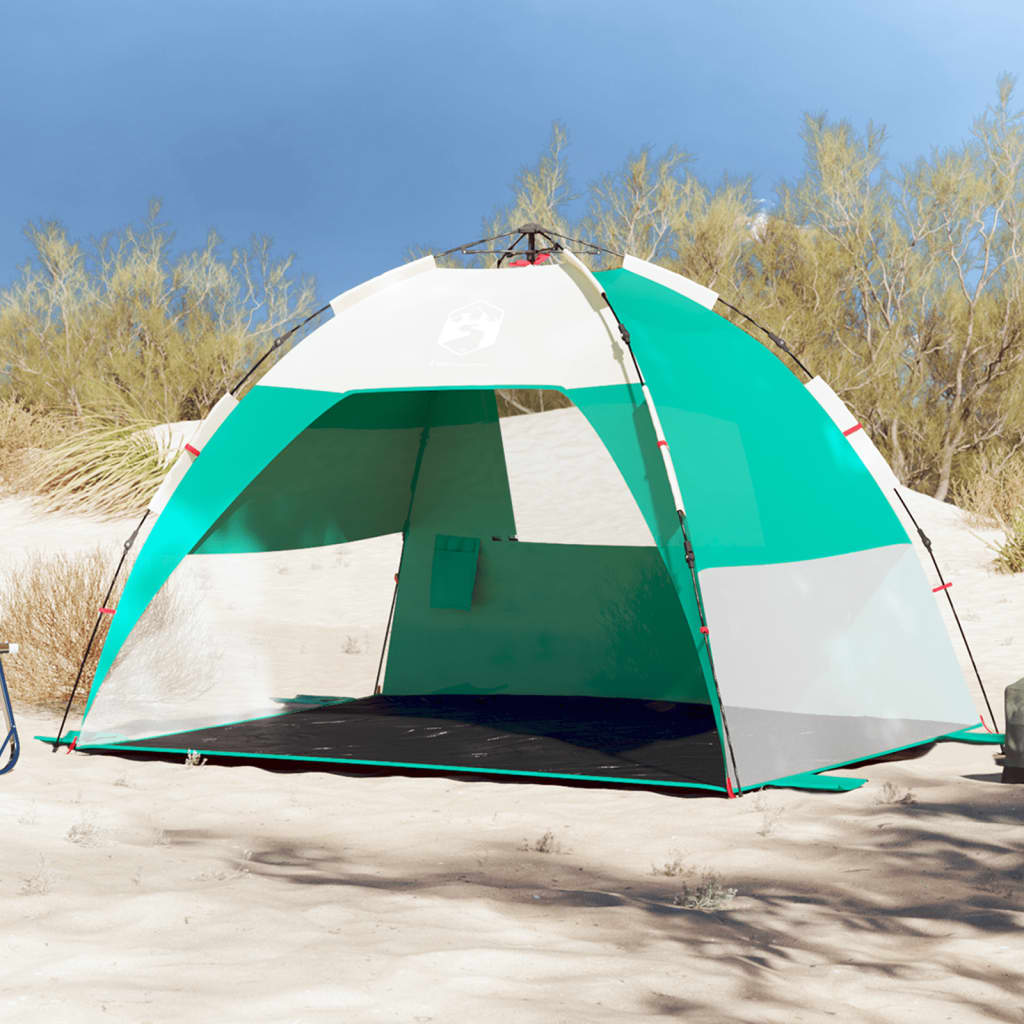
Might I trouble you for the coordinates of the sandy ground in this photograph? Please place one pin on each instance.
(152, 891)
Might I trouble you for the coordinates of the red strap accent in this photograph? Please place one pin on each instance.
(704, 630)
(945, 586)
(106, 611)
(74, 743)
(542, 258)
(191, 449)
(662, 444)
(852, 430)
(984, 723)
(396, 577)
(728, 788)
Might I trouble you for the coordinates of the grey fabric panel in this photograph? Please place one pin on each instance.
(773, 744)
(851, 635)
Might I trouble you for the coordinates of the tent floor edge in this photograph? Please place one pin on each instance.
(125, 748)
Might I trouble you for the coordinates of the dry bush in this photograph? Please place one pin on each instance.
(48, 605)
(24, 436)
(1010, 557)
(992, 491)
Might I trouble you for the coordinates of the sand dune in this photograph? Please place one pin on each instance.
(153, 891)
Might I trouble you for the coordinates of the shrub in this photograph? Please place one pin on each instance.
(48, 605)
(1010, 555)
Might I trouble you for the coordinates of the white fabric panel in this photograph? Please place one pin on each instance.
(206, 429)
(683, 285)
(229, 635)
(531, 326)
(855, 634)
(862, 443)
(377, 284)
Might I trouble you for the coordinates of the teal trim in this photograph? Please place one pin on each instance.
(66, 739)
(968, 735)
(408, 764)
(811, 781)
(765, 474)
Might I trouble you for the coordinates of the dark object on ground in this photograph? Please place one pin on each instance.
(1013, 761)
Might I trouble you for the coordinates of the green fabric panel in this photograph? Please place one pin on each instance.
(619, 415)
(344, 478)
(765, 474)
(545, 618)
(264, 422)
(555, 619)
(454, 572)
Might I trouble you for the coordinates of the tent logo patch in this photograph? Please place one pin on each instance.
(471, 328)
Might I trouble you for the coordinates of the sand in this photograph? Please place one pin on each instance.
(154, 891)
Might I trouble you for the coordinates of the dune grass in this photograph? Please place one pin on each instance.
(101, 466)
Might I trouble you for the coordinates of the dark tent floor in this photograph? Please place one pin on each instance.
(615, 740)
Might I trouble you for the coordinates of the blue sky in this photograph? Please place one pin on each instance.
(348, 132)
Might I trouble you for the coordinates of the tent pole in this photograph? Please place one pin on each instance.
(424, 434)
(673, 482)
(104, 610)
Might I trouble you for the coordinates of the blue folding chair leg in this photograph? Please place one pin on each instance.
(11, 736)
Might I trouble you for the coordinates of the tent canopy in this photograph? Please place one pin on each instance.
(822, 643)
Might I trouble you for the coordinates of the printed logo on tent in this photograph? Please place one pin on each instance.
(471, 328)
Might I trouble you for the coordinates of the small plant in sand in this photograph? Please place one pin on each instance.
(352, 644)
(769, 815)
(706, 894)
(82, 833)
(193, 759)
(672, 868)
(893, 794)
(38, 883)
(547, 843)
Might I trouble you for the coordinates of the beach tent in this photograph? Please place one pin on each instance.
(768, 618)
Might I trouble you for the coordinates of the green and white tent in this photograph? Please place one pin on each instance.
(806, 635)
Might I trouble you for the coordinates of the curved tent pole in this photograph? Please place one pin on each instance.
(677, 497)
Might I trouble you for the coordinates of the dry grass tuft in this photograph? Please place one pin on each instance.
(103, 467)
(48, 605)
(24, 437)
(1010, 556)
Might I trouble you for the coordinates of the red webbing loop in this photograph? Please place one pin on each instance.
(663, 444)
(852, 430)
(704, 630)
(728, 788)
(191, 449)
(106, 611)
(944, 586)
